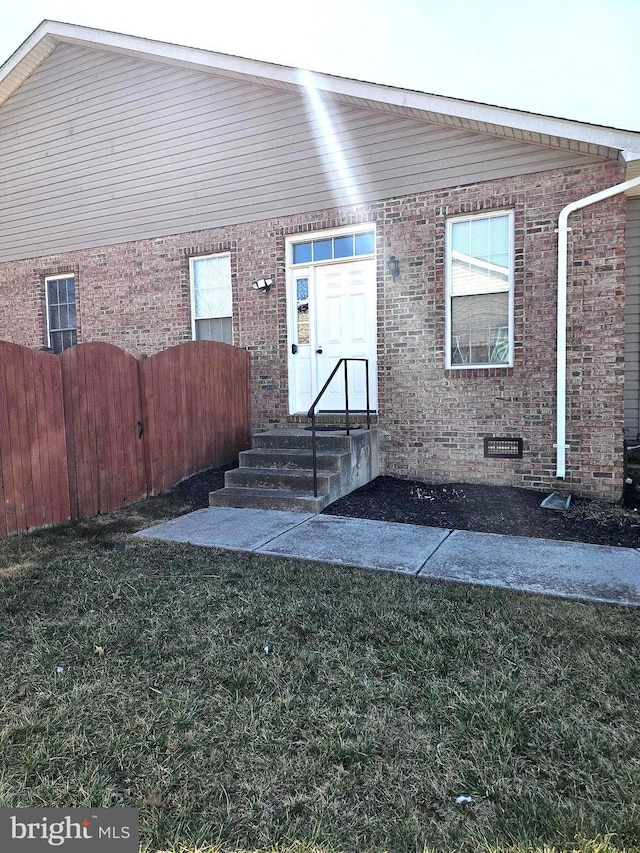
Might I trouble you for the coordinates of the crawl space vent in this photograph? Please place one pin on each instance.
(503, 448)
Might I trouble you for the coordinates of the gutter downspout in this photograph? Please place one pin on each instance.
(561, 381)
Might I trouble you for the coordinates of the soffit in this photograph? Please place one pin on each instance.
(633, 171)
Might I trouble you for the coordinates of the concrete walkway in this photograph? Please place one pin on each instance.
(569, 569)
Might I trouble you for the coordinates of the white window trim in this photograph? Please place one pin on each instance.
(465, 218)
(192, 259)
(57, 277)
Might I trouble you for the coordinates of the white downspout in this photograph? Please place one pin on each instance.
(561, 383)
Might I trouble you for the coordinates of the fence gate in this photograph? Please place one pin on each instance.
(196, 409)
(103, 413)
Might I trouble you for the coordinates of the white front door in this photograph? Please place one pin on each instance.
(333, 316)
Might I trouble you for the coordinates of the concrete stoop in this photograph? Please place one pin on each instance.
(278, 472)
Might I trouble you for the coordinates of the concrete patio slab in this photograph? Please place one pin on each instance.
(227, 527)
(357, 542)
(568, 569)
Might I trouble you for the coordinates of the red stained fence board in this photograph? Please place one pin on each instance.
(196, 408)
(34, 489)
(102, 409)
(95, 429)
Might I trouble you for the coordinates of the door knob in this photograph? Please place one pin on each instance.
(319, 350)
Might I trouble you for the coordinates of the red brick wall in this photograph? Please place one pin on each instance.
(437, 418)
(136, 295)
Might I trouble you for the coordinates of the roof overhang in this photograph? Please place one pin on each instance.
(480, 118)
(631, 161)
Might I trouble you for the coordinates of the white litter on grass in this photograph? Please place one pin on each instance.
(59, 670)
(463, 799)
(266, 650)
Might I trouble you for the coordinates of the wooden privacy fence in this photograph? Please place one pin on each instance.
(94, 428)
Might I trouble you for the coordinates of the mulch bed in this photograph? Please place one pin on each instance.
(464, 506)
(493, 509)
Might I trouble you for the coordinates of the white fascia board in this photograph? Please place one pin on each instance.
(31, 53)
(24, 50)
(373, 94)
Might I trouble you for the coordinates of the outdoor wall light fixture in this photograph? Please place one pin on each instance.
(393, 265)
(263, 284)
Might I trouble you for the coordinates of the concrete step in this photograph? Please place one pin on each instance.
(286, 499)
(286, 459)
(356, 420)
(278, 478)
(278, 472)
(300, 439)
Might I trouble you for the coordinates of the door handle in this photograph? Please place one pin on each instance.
(294, 348)
(319, 350)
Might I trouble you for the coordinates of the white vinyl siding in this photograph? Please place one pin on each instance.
(60, 296)
(479, 284)
(632, 323)
(211, 298)
(98, 148)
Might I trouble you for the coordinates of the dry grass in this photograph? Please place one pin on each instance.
(603, 512)
(250, 703)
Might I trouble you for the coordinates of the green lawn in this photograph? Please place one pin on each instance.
(251, 703)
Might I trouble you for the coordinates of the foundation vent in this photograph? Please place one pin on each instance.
(503, 448)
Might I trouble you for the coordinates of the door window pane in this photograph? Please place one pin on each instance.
(301, 253)
(365, 244)
(322, 250)
(302, 296)
(343, 247)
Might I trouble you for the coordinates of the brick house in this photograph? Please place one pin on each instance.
(147, 188)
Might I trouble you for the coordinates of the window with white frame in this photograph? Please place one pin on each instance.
(60, 293)
(211, 298)
(479, 314)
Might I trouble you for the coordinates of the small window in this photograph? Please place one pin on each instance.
(211, 298)
(480, 291)
(61, 312)
(334, 248)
